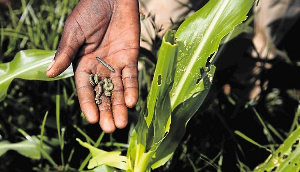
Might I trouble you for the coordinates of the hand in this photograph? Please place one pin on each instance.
(108, 29)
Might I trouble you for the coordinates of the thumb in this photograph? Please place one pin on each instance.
(72, 39)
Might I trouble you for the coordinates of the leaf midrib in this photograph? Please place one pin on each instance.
(196, 54)
(12, 76)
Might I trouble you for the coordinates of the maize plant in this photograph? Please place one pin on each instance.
(181, 81)
(286, 157)
(182, 78)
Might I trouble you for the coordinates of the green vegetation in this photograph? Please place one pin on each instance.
(172, 128)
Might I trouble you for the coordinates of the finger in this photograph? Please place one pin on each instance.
(86, 96)
(120, 112)
(106, 118)
(72, 39)
(130, 82)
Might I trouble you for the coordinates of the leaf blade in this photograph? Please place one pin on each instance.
(205, 30)
(29, 65)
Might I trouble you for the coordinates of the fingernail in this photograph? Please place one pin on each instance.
(50, 65)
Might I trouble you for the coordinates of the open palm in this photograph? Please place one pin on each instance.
(108, 29)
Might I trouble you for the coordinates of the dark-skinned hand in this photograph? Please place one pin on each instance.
(110, 30)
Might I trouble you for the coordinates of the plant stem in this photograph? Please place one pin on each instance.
(142, 165)
(61, 142)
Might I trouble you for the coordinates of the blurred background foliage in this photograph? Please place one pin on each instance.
(210, 143)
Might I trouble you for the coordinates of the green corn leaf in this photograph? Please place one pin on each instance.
(29, 65)
(156, 124)
(101, 168)
(101, 157)
(162, 83)
(200, 36)
(25, 148)
(164, 73)
(180, 117)
(239, 29)
(286, 157)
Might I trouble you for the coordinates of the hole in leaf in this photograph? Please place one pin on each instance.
(285, 156)
(294, 146)
(274, 169)
(198, 80)
(201, 75)
(279, 154)
(159, 80)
